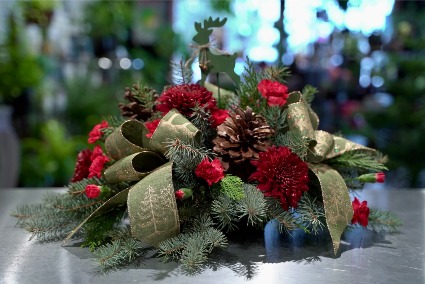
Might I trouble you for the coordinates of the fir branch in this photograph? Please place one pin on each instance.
(223, 209)
(113, 122)
(276, 118)
(309, 93)
(27, 211)
(232, 187)
(381, 220)
(312, 214)
(286, 219)
(181, 74)
(248, 92)
(186, 156)
(200, 118)
(362, 161)
(120, 252)
(275, 73)
(294, 141)
(253, 206)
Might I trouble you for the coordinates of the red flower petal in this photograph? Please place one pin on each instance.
(211, 172)
(92, 191)
(151, 126)
(275, 92)
(96, 133)
(361, 212)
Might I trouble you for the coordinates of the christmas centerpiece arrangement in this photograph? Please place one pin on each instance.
(184, 167)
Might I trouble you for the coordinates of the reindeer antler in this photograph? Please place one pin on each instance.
(214, 23)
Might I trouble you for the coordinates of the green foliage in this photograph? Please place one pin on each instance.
(362, 161)
(294, 141)
(224, 210)
(287, 221)
(200, 118)
(312, 214)
(248, 92)
(232, 186)
(121, 251)
(276, 118)
(381, 220)
(186, 156)
(308, 93)
(50, 160)
(192, 248)
(278, 74)
(253, 206)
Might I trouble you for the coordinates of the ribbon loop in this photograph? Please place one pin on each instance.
(126, 140)
(134, 167)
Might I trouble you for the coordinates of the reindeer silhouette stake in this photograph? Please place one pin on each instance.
(213, 60)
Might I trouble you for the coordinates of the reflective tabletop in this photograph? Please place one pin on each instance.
(269, 257)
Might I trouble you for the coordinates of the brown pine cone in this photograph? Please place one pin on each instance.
(241, 138)
(141, 103)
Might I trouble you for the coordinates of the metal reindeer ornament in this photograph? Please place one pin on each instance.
(211, 59)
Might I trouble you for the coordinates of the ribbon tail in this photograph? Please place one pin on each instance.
(118, 199)
(152, 207)
(336, 201)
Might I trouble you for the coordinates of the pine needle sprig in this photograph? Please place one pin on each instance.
(200, 118)
(287, 220)
(276, 73)
(181, 74)
(381, 220)
(276, 118)
(122, 251)
(113, 123)
(309, 92)
(311, 214)
(360, 160)
(248, 89)
(27, 211)
(253, 206)
(186, 156)
(294, 141)
(224, 211)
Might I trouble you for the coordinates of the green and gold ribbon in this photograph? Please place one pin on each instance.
(323, 146)
(151, 201)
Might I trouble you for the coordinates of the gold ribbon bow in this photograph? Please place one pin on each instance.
(151, 201)
(323, 146)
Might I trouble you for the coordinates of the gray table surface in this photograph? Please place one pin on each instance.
(365, 257)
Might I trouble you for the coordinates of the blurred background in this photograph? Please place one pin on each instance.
(64, 65)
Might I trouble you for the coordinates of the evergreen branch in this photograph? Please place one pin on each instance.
(24, 212)
(113, 122)
(186, 156)
(248, 92)
(381, 220)
(200, 118)
(232, 187)
(120, 252)
(253, 206)
(312, 214)
(181, 74)
(286, 219)
(275, 73)
(294, 141)
(223, 209)
(309, 93)
(358, 160)
(276, 118)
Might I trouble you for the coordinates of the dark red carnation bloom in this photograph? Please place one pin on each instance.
(361, 212)
(97, 151)
(281, 174)
(96, 133)
(97, 166)
(92, 191)
(184, 98)
(211, 172)
(218, 116)
(275, 92)
(179, 194)
(82, 166)
(151, 126)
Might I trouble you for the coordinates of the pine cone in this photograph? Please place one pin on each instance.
(240, 139)
(141, 102)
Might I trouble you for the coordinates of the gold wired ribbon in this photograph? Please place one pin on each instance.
(323, 146)
(151, 201)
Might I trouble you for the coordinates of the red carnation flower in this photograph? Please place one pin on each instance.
(97, 151)
(179, 194)
(184, 98)
(218, 116)
(275, 92)
(96, 133)
(92, 191)
(281, 174)
(211, 172)
(361, 212)
(380, 177)
(82, 165)
(151, 126)
(97, 166)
